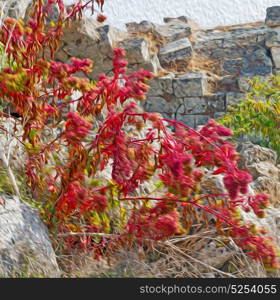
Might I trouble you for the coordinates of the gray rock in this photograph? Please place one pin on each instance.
(275, 52)
(273, 16)
(233, 98)
(228, 83)
(173, 31)
(175, 51)
(191, 84)
(161, 85)
(189, 120)
(195, 106)
(230, 44)
(233, 66)
(273, 37)
(160, 105)
(85, 39)
(136, 49)
(256, 63)
(201, 120)
(25, 247)
(142, 27)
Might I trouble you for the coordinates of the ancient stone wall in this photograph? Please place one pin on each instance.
(198, 73)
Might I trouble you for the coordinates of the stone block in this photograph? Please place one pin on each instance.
(161, 85)
(137, 50)
(272, 38)
(275, 53)
(175, 51)
(256, 63)
(233, 66)
(195, 105)
(160, 105)
(172, 31)
(233, 98)
(191, 84)
(273, 16)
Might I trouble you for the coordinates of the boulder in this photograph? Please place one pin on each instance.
(273, 16)
(191, 84)
(180, 50)
(25, 247)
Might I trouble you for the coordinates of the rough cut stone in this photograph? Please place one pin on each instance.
(161, 85)
(273, 37)
(191, 84)
(142, 27)
(275, 52)
(85, 39)
(256, 63)
(233, 66)
(136, 49)
(195, 106)
(159, 104)
(25, 246)
(234, 98)
(228, 83)
(273, 16)
(172, 31)
(175, 51)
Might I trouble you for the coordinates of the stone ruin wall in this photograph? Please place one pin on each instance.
(198, 73)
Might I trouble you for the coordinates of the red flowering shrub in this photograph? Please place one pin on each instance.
(77, 200)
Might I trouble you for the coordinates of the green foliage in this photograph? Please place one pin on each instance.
(258, 115)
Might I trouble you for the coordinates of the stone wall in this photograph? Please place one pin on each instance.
(198, 73)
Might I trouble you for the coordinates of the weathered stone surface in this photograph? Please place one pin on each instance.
(25, 246)
(273, 16)
(175, 51)
(96, 43)
(173, 30)
(261, 164)
(250, 154)
(234, 98)
(195, 106)
(233, 66)
(159, 104)
(256, 63)
(191, 84)
(142, 27)
(275, 52)
(230, 44)
(269, 186)
(136, 49)
(228, 83)
(273, 37)
(189, 120)
(161, 85)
